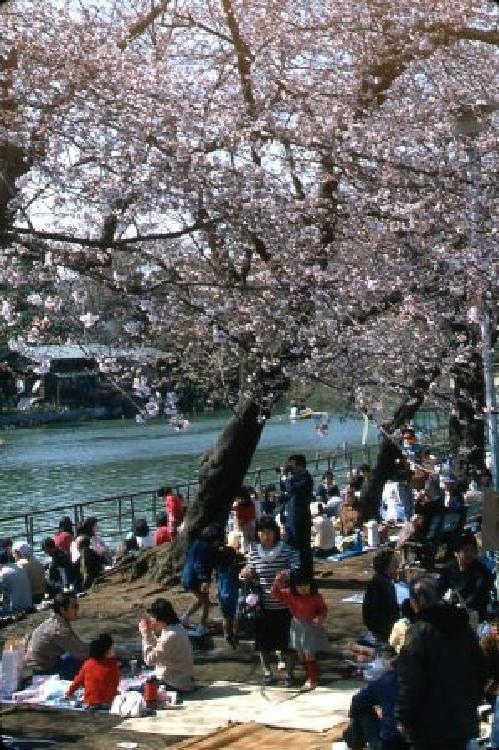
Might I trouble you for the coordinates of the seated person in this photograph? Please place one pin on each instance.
(54, 647)
(143, 533)
(365, 726)
(380, 608)
(23, 555)
(453, 496)
(468, 577)
(99, 675)
(327, 487)
(166, 646)
(90, 564)
(15, 589)
(323, 534)
(64, 535)
(162, 532)
(61, 573)
(6, 550)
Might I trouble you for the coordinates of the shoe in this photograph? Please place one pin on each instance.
(308, 685)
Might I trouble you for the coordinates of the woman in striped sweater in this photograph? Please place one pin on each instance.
(267, 557)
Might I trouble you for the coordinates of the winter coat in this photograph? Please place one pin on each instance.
(473, 584)
(440, 671)
(380, 609)
(299, 488)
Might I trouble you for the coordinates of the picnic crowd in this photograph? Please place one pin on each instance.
(429, 660)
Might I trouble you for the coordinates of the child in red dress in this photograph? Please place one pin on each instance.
(307, 635)
(99, 675)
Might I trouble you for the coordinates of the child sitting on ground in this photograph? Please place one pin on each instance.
(99, 675)
(307, 635)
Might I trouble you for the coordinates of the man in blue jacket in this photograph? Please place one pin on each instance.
(299, 488)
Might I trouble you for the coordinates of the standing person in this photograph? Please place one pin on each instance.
(99, 675)
(468, 577)
(440, 673)
(245, 516)
(162, 534)
(299, 487)
(175, 509)
(166, 646)
(64, 535)
(307, 635)
(267, 557)
(54, 647)
(23, 555)
(228, 591)
(196, 576)
(380, 610)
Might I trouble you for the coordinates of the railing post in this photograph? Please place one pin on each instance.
(30, 535)
(120, 516)
(154, 505)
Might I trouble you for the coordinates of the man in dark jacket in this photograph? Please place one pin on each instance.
(61, 572)
(468, 577)
(299, 487)
(380, 608)
(440, 673)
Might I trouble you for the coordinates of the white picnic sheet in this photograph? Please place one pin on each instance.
(221, 703)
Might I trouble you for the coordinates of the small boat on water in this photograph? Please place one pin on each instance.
(306, 413)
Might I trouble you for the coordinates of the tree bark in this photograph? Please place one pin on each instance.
(387, 466)
(221, 475)
(466, 422)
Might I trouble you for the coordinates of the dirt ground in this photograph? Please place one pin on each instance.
(116, 608)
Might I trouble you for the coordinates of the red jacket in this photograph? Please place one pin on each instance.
(302, 606)
(63, 540)
(100, 679)
(161, 535)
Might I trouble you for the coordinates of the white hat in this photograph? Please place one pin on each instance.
(23, 548)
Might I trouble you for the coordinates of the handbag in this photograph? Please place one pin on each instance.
(249, 607)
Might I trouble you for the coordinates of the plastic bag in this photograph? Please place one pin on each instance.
(128, 705)
(13, 657)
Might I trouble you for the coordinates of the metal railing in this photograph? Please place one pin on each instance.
(117, 513)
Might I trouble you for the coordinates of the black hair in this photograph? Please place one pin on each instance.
(425, 592)
(268, 489)
(162, 519)
(163, 611)
(299, 577)
(83, 541)
(80, 528)
(167, 490)
(464, 540)
(407, 611)
(63, 601)
(99, 647)
(364, 467)
(320, 509)
(382, 560)
(328, 473)
(268, 523)
(140, 527)
(243, 494)
(48, 544)
(88, 525)
(5, 541)
(227, 557)
(299, 459)
(213, 531)
(66, 524)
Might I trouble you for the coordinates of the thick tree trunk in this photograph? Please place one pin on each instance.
(387, 466)
(466, 422)
(221, 475)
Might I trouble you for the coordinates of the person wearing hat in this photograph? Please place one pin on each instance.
(15, 588)
(166, 646)
(23, 555)
(468, 577)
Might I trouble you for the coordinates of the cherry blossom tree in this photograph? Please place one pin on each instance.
(281, 183)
